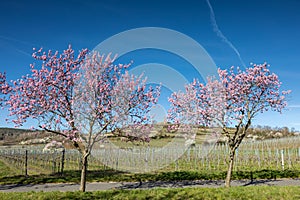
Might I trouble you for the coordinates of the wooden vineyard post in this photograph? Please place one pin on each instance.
(62, 162)
(26, 162)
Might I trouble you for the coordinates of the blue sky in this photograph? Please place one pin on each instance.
(258, 31)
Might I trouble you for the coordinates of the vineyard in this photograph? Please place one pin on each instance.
(273, 154)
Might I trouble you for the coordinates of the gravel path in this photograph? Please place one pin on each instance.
(145, 185)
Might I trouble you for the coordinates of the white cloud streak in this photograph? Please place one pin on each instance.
(221, 35)
(294, 106)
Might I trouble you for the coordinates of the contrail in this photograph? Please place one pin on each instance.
(15, 40)
(9, 39)
(220, 34)
(23, 52)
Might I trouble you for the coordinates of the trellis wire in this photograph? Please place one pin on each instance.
(273, 154)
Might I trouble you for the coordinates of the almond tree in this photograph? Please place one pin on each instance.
(76, 97)
(230, 103)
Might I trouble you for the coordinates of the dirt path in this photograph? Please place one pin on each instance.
(146, 185)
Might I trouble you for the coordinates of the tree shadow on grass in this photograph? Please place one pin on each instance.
(261, 182)
(69, 176)
(172, 184)
(208, 179)
(159, 179)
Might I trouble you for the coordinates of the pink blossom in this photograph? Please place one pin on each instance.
(233, 100)
(67, 88)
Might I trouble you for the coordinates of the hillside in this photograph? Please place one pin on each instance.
(15, 136)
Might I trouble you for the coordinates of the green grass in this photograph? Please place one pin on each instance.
(5, 170)
(7, 176)
(253, 192)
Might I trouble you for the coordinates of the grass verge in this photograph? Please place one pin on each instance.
(253, 192)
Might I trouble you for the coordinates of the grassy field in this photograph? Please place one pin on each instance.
(250, 192)
(9, 176)
(253, 192)
(257, 160)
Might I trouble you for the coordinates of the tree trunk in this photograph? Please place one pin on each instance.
(83, 172)
(230, 168)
